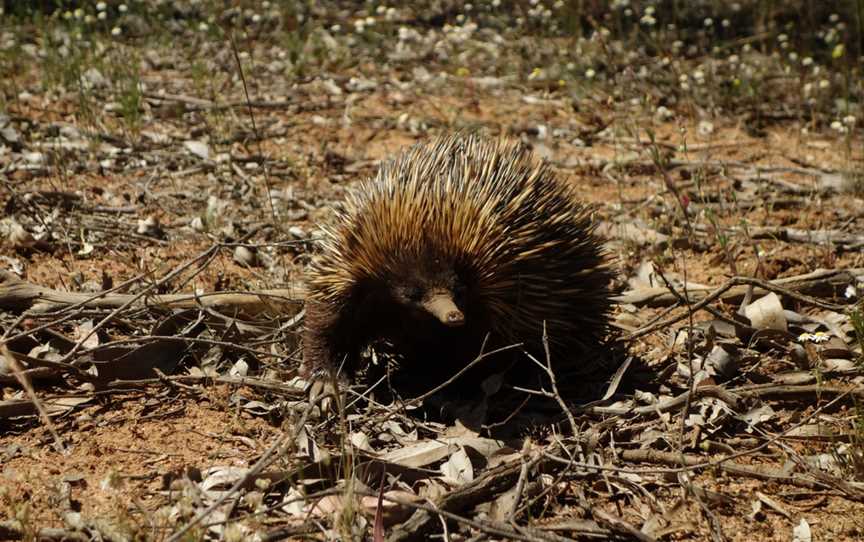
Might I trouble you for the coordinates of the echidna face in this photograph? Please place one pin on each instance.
(435, 293)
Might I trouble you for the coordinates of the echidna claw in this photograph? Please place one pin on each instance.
(322, 390)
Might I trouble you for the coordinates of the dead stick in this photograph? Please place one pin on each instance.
(791, 286)
(25, 383)
(740, 284)
(16, 294)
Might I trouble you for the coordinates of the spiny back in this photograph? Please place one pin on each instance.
(516, 237)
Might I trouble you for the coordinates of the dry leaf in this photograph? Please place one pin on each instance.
(767, 313)
(458, 468)
(198, 148)
(391, 512)
(801, 533)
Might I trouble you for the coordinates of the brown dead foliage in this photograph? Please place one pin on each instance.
(154, 240)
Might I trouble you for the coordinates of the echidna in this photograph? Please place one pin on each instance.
(456, 245)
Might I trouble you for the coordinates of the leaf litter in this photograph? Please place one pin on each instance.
(155, 236)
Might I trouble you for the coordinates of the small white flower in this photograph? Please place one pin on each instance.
(808, 89)
(648, 20)
(663, 113)
(78, 13)
(824, 83)
(391, 14)
(649, 10)
(849, 120)
(833, 17)
(782, 38)
(706, 128)
(819, 337)
(116, 31)
(793, 56)
(726, 23)
(336, 28)
(733, 59)
(746, 48)
(256, 18)
(851, 292)
(102, 16)
(496, 3)
(122, 8)
(589, 73)
(839, 127)
(708, 21)
(101, 6)
(370, 21)
(807, 61)
(203, 27)
(380, 10)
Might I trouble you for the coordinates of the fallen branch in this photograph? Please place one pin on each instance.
(817, 283)
(14, 530)
(19, 295)
(482, 489)
(846, 240)
(748, 471)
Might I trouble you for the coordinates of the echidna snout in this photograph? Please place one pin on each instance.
(432, 291)
(440, 304)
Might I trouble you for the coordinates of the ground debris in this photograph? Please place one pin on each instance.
(166, 172)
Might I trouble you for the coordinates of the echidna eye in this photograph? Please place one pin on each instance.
(409, 294)
(415, 293)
